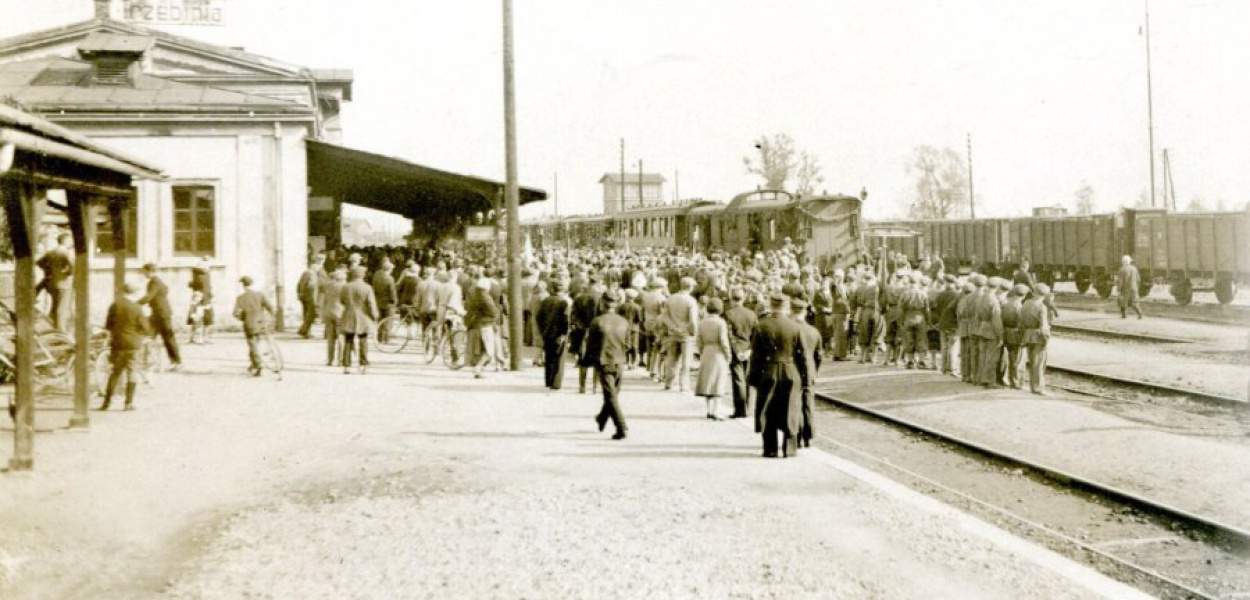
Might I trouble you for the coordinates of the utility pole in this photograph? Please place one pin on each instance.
(555, 193)
(1150, 108)
(972, 199)
(513, 195)
(640, 201)
(622, 174)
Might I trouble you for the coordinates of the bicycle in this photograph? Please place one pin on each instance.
(270, 354)
(398, 330)
(453, 344)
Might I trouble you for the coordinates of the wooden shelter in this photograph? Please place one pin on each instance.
(36, 156)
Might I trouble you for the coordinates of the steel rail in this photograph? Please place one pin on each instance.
(1121, 335)
(1207, 397)
(1067, 478)
(1161, 579)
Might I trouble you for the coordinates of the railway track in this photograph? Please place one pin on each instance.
(1169, 519)
(1208, 398)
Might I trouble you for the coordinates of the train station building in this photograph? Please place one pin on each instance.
(256, 175)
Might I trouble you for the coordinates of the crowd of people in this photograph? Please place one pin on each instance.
(762, 322)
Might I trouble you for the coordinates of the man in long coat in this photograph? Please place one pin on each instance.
(1034, 335)
(989, 333)
(161, 318)
(331, 309)
(553, 324)
(360, 311)
(810, 339)
(779, 374)
(385, 293)
(307, 290)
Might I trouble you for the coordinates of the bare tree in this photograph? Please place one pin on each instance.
(808, 174)
(941, 183)
(775, 162)
(1085, 199)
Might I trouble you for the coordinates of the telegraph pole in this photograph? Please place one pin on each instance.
(555, 193)
(972, 199)
(622, 174)
(640, 203)
(512, 194)
(1150, 108)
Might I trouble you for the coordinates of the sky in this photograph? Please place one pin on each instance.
(1052, 93)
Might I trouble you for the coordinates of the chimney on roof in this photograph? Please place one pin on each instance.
(103, 8)
(116, 60)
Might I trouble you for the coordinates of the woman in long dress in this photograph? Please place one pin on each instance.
(713, 344)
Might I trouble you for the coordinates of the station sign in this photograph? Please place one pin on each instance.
(173, 12)
(482, 233)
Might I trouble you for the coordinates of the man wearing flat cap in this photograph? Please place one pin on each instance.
(127, 331)
(157, 299)
(250, 308)
(809, 338)
(989, 332)
(1012, 335)
(779, 374)
(741, 321)
(607, 346)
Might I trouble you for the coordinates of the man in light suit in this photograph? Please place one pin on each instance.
(682, 311)
(250, 308)
(331, 309)
(360, 311)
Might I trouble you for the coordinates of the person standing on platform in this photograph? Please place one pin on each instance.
(126, 334)
(331, 310)
(1034, 335)
(406, 288)
(989, 333)
(157, 299)
(652, 309)
(552, 320)
(822, 308)
(1023, 276)
(948, 322)
(914, 323)
(741, 321)
(867, 308)
(683, 315)
(778, 374)
(1013, 335)
(384, 292)
(250, 308)
(891, 296)
(57, 265)
(632, 311)
(360, 312)
(809, 338)
(1128, 280)
(534, 337)
(309, 286)
(481, 314)
(585, 309)
(841, 313)
(969, 347)
(606, 341)
(715, 354)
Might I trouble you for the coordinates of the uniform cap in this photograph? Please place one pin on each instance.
(612, 297)
(778, 301)
(950, 278)
(798, 303)
(969, 287)
(631, 293)
(245, 280)
(1003, 284)
(1020, 289)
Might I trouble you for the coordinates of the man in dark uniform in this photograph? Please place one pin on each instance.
(948, 322)
(810, 339)
(1022, 276)
(741, 321)
(865, 304)
(1012, 335)
(385, 293)
(126, 332)
(585, 309)
(1034, 334)
(607, 343)
(157, 299)
(779, 374)
(553, 325)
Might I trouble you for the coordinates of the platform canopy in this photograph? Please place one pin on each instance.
(398, 186)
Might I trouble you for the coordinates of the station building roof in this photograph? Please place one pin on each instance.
(398, 186)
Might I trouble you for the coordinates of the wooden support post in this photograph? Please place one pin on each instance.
(23, 213)
(117, 218)
(81, 225)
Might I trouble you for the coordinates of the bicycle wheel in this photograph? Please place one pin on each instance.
(271, 355)
(432, 346)
(392, 334)
(454, 348)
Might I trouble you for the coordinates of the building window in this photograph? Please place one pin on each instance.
(104, 230)
(195, 231)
